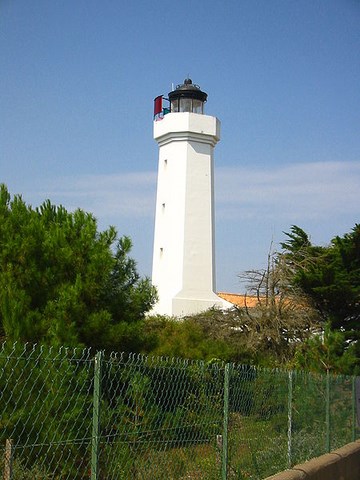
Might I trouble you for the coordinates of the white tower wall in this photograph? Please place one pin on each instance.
(183, 258)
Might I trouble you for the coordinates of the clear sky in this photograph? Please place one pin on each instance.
(77, 83)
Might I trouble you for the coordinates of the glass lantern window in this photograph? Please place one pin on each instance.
(198, 106)
(175, 105)
(185, 104)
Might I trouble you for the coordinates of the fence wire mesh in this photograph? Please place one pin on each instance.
(70, 414)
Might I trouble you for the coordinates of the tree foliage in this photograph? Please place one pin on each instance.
(213, 335)
(307, 303)
(330, 275)
(277, 315)
(63, 282)
(326, 352)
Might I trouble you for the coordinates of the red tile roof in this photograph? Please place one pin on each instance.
(239, 300)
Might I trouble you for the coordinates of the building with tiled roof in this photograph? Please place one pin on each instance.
(240, 300)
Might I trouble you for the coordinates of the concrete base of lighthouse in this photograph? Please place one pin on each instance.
(183, 304)
(191, 303)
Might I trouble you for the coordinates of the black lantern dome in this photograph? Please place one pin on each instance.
(187, 98)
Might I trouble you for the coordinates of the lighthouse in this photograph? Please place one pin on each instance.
(184, 251)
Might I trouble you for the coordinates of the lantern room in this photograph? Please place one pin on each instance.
(187, 98)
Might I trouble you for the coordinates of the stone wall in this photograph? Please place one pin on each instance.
(341, 464)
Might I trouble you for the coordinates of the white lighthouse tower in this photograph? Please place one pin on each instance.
(184, 254)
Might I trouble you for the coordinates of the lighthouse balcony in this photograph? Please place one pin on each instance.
(184, 125)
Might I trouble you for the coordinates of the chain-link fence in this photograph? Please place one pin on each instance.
(69, 414)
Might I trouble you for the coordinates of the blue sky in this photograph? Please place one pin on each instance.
(77, 84)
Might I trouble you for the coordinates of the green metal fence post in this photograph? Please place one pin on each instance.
(224, 453)
(95, 443)
(290, 401)
(353, 401)
(327, 406)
